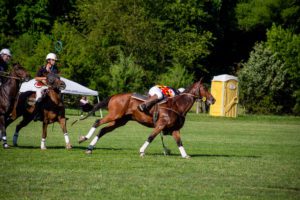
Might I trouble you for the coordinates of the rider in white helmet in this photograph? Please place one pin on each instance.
(41, 80)
(5, 57)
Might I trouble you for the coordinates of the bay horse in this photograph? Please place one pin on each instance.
(170, 115)
(53, 110)
(8, 94)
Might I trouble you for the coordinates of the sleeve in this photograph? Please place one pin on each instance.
(39, 73)
(55, 70)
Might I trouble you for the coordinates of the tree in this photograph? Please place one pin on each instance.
(176, 77)
(270, 79)
(262, 81)
(126, 76)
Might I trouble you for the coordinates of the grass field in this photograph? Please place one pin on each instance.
(251, 157)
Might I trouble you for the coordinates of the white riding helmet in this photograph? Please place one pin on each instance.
(181, 90)
(5, 52)
(51, 56)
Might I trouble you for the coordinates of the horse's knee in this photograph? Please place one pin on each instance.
(150, 138)
(97, 122)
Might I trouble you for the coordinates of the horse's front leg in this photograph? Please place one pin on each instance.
(154, 133)
(176, 136)
(44, 136)
(62, 123)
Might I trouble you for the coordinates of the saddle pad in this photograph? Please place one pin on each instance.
(38, 84)
(139, 96)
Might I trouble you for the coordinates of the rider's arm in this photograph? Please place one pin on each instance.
(40, 77)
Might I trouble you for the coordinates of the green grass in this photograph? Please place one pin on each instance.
(250, 157)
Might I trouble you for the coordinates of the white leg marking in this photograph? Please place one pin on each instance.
(43, 143)
(94, 141)
(90, 133)
(143, 148)
(67, 138)
(183, 153)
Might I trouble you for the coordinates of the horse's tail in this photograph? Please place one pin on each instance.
(101, 104)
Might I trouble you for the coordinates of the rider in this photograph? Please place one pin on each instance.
(41, 81)
(5, 56)
(156, 94)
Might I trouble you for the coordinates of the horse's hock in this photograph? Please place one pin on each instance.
(225, 90)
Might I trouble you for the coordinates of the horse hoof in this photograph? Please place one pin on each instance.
(5, 146)
(43, 148)
(187, 157)
(167, 152)
(88, 151)
(82, 139)
(68, 146)
(142, 155)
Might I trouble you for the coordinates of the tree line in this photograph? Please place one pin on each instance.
(116, 46)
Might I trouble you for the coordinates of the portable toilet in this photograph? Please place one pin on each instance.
(224, 88)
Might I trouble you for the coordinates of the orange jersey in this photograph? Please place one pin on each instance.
(167, 91)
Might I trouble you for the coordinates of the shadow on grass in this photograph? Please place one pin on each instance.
(63, 147)
(206, 155)
(224, 155)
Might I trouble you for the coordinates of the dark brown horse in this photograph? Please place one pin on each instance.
(8, 94)
(52, 110)
(170, 115)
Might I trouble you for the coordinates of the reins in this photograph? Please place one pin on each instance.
(6, 74)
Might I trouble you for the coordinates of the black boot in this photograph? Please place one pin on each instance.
(146, 107)
(37, 111)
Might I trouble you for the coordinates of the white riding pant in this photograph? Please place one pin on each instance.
(39, 92)
(156, 91)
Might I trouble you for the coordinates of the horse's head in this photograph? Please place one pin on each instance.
(55, 82)
(20, 72)
(200, 91)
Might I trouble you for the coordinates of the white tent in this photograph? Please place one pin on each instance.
(71, 88)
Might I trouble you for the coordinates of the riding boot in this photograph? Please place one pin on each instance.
(147, 105)
(37, 110)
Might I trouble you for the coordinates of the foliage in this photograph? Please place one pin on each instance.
(205, 38)
(257, 14)
(262, 80)
(176, 76)
(126, 76)
(270, 78)
(286, 45)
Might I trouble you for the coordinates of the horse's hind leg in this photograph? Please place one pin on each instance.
(25, 121)
(97, 123)
(176, 136)
(110, 127)
(3, 132)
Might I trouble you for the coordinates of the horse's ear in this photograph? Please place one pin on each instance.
(201, 80)
(16, 65)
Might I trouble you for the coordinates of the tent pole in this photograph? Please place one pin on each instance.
(100, 108)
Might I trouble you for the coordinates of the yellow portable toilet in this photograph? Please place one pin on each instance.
(224, 88)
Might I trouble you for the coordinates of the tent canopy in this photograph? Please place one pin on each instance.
(71, 88)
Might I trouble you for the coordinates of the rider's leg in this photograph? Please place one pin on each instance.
(38, 104)
(147, 105)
